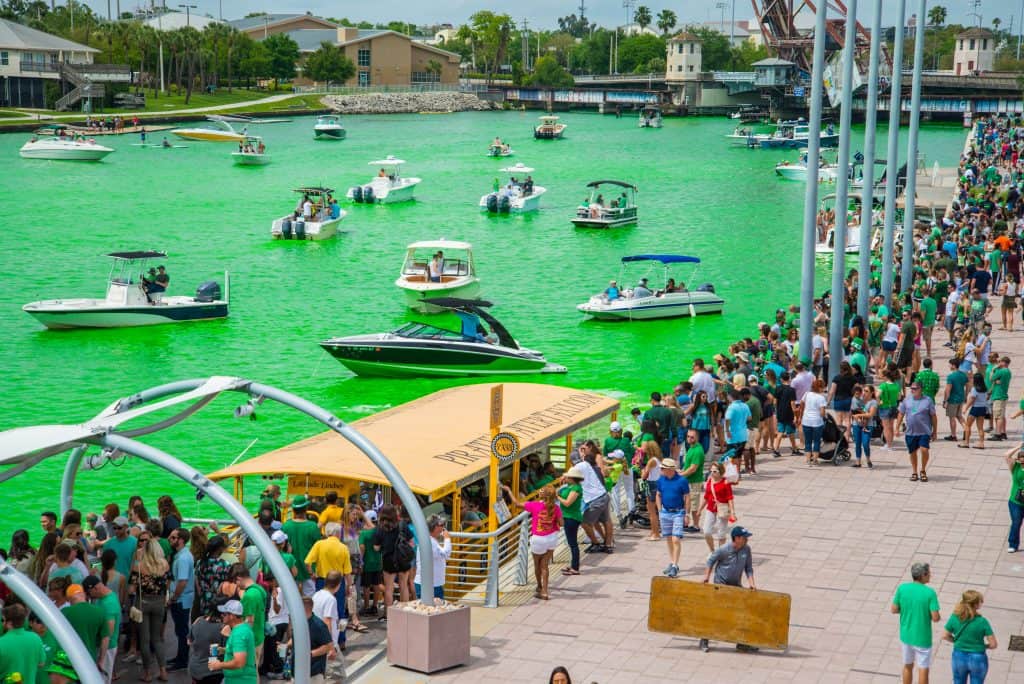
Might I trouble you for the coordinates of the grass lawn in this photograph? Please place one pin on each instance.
(7, 114)
(298, 103)
(164, 103)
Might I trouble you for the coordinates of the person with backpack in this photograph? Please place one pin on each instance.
(393, 541)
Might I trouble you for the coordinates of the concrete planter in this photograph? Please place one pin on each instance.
(428, 642)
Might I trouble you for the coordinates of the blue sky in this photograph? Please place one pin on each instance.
(544, 12)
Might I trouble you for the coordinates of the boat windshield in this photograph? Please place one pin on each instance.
(417, 262)
(422, 331)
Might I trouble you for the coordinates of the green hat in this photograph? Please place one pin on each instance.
(857, 343)
(300, 501)
(61, 665)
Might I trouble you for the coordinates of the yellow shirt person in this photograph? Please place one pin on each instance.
(329, 554)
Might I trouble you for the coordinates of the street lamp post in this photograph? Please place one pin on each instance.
(188, 21)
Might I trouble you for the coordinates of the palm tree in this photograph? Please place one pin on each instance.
(996, 23)
(666, 21)
(937, 15)
(642, 17)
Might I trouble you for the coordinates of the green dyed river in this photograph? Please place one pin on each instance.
(697, 196)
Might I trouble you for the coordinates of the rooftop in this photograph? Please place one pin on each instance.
(20, 37)
(772, 61)
(271, 19)
(172, 20)
(976, 32)
(685, 35)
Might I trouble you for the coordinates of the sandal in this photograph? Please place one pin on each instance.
(913, 478)
(855, 465)
(570, 571)
(924, 476)
(359, 628)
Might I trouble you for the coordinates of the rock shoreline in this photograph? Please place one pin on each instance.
(406, 103)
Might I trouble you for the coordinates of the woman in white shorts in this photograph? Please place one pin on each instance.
(718, 508)
(545, 523)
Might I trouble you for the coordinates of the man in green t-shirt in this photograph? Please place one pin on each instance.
(107, 601)
(89, 623)
(954, 397)
(928, 306)
(999, 388)
(239, 663)
(254, 605)
(21, 650)
(302, 533)
(918, 607)
(616, 444)
(373, 565)
(857, 358)
(928, 379)
(693, 471)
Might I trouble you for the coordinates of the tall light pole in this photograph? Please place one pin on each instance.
(868, 194)
(188, 20)
(811, 195)
(1020, 30)
(732, 25)
(722, 5)
(907, 265)
(892, 157)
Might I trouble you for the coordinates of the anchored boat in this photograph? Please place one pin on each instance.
(64, 149)
(389, 186)
(650, 117)
(549, 128)
(438, 268)
(316, 217)
(328, 127)
(517, 196)
(133, 299)
(643, 302)
(598, 211)
(499, 149)
(252, 152)
(219, 130)
(421, 350)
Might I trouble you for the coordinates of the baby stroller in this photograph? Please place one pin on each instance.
(638, 516)
(832, 435)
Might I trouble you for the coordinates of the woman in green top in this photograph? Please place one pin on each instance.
(1015, 461)
(570, 499)
(971, 635)
(888, 398)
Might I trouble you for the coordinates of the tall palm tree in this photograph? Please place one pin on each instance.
(666, 21)
(937, 15)
(642, 17)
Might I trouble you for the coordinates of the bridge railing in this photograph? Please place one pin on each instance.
(734, 76)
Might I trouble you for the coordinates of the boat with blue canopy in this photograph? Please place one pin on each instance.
(646, 300)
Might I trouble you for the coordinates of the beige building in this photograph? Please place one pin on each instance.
(683, 59)
(975, 51)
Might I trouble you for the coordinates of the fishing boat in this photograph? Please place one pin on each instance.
(499, 149)
(421, 350)
(599, 212)
(64, 149)
(650, 117)
(133, 299)
(825, 243)
(750, 114)
(549, 128)
(787, 135)
(438, 268)
(643, 302)
(318, 221)
(797, 171)
(387, 187)
(252, 152)
(517, 196)
(328, 127)
(219, 130)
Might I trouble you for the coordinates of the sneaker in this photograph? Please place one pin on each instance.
(691, 529)
(950, 438)
(673, 570)
(703, 645)
(172, 666)
(1010, 549)
(668, 570)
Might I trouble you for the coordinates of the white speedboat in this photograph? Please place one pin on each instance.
(797, 171)
(787, 134)
(219, 130)
(438, 268)
(499, 149)
(317, 221)
(252, 152)
(389, 186)
(644, 302)
(133, 299)
(517, 196)
(64, 149)
(328, 127)
(549, 128)
(826, 244)
(650, 117)
(598, 211)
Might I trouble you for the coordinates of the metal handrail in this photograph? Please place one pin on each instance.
(482, 562)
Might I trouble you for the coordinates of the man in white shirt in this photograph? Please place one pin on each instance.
(325, 605)
(441, 545)
(307, 209)
(702, 380)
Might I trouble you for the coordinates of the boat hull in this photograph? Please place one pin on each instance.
(285, 228)
(607, 220)
(517, 205)
(415, 293)
(85, 155)
(209, 136)
(673, 305)
(548, 133)
(386, 193)
(331, 133)
(247, 159)
(425, 358)
(651, 123)
(97, 313)
(798, 172)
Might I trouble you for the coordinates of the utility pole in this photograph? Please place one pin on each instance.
(525, 45)
(583, 9)
(892, 158)
(1020, 29)
(188, 21)
(732, 26)
(868, 198)
(907, 270)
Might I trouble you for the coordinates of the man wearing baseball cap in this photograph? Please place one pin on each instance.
(730, 562)
(239, 664)
(123, 545)
(106, 600)
(302, 533)
(89, 623)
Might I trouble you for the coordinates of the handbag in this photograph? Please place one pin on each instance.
(135, 612)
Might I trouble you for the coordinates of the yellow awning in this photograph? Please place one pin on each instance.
(437, 441)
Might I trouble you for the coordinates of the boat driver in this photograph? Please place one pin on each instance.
(612, 292)
(436, 267)
(641, 290)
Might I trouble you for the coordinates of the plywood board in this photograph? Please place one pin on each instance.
(719, 613)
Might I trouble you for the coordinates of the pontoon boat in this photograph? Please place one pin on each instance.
(219, 131)
(387, 187)
(133, 298)
(252, 152)
(438, 268)
(328, 127)
(644, 302)
(650, 117)
(549, 128)
(599, 211)
(64, 149)
(517, 196)
(318, 221)
(418, 349)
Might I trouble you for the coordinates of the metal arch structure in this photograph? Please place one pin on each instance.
(23, 448)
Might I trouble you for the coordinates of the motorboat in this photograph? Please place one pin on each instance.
(64, 149)
(797, 171)
(317, 221)
(749, 114)
(498, 148)
(517, 196)
(328, 127)
(220, 130)
(387, 187)
(825, 240)
(252, 152)
(549, 128)
(438, 268)
(645, 303)
(135, 297)
(422, 350)
(597, 211)
(650, 117)
(787, 135)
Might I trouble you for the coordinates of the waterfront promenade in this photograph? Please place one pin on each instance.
(838, 539)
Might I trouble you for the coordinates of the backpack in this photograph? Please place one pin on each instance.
(402, 553)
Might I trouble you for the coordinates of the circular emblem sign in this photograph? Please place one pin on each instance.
(505, 447)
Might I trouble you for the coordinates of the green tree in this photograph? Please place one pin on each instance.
(577, 27)
(716, 55)
(937, 15)
(329, 64)
(642, 17)
(636, 51)
(283, 53)
(489, 34)
(254, 60)
(744, 56)
(548, 72)
(666, 21)
(591, 55)
(996, 24)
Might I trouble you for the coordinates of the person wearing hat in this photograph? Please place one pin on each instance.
(641, 289)
(123, 544)
(673, 501)
(622, 448)
(612, 292)
(857, 358)
(730, 562)
(106, 600)
(302, 533)
(21, 649)
(570, 500)
(88, 621)
(239, 663)
(60, 669)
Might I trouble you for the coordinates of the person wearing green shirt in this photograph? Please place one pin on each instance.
(1015, 462)
(971, 634)
(21, 650)
(302, 533)
(928, 306)
(570, 500)
(888, 399)
(88, 621)
(857, 358)
(239, 663)
(615, 440)
(999, 393)
(50, 644)
(918, 607)
(693, 471)
(928, 379)
(373, 563)
(254, 605)
(954, 397)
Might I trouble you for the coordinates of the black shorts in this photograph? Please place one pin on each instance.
(372, 578)
(391, 566)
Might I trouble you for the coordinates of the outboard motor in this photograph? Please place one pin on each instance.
(504, 204)
(286, 229)
(368, 194)
(208, 291)
(492, 203)
(705, 287)
(357, 194)
(300, 230)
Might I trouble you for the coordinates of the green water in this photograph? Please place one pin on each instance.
(697, 196)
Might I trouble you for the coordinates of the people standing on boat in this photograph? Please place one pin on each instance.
(335, 208)
(261, 148)
(307, 208)
(382, 174)
(436, 267)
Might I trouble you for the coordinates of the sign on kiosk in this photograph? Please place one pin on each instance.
(318, 485)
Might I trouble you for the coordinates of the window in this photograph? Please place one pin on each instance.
(4, 58)
(692, 46)
(679, 48)
(425, 77)
(690, 68)
(984, 44)
(961, 43)
(364, 77)
(971, 46)
(364, 57)
(679, 68)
